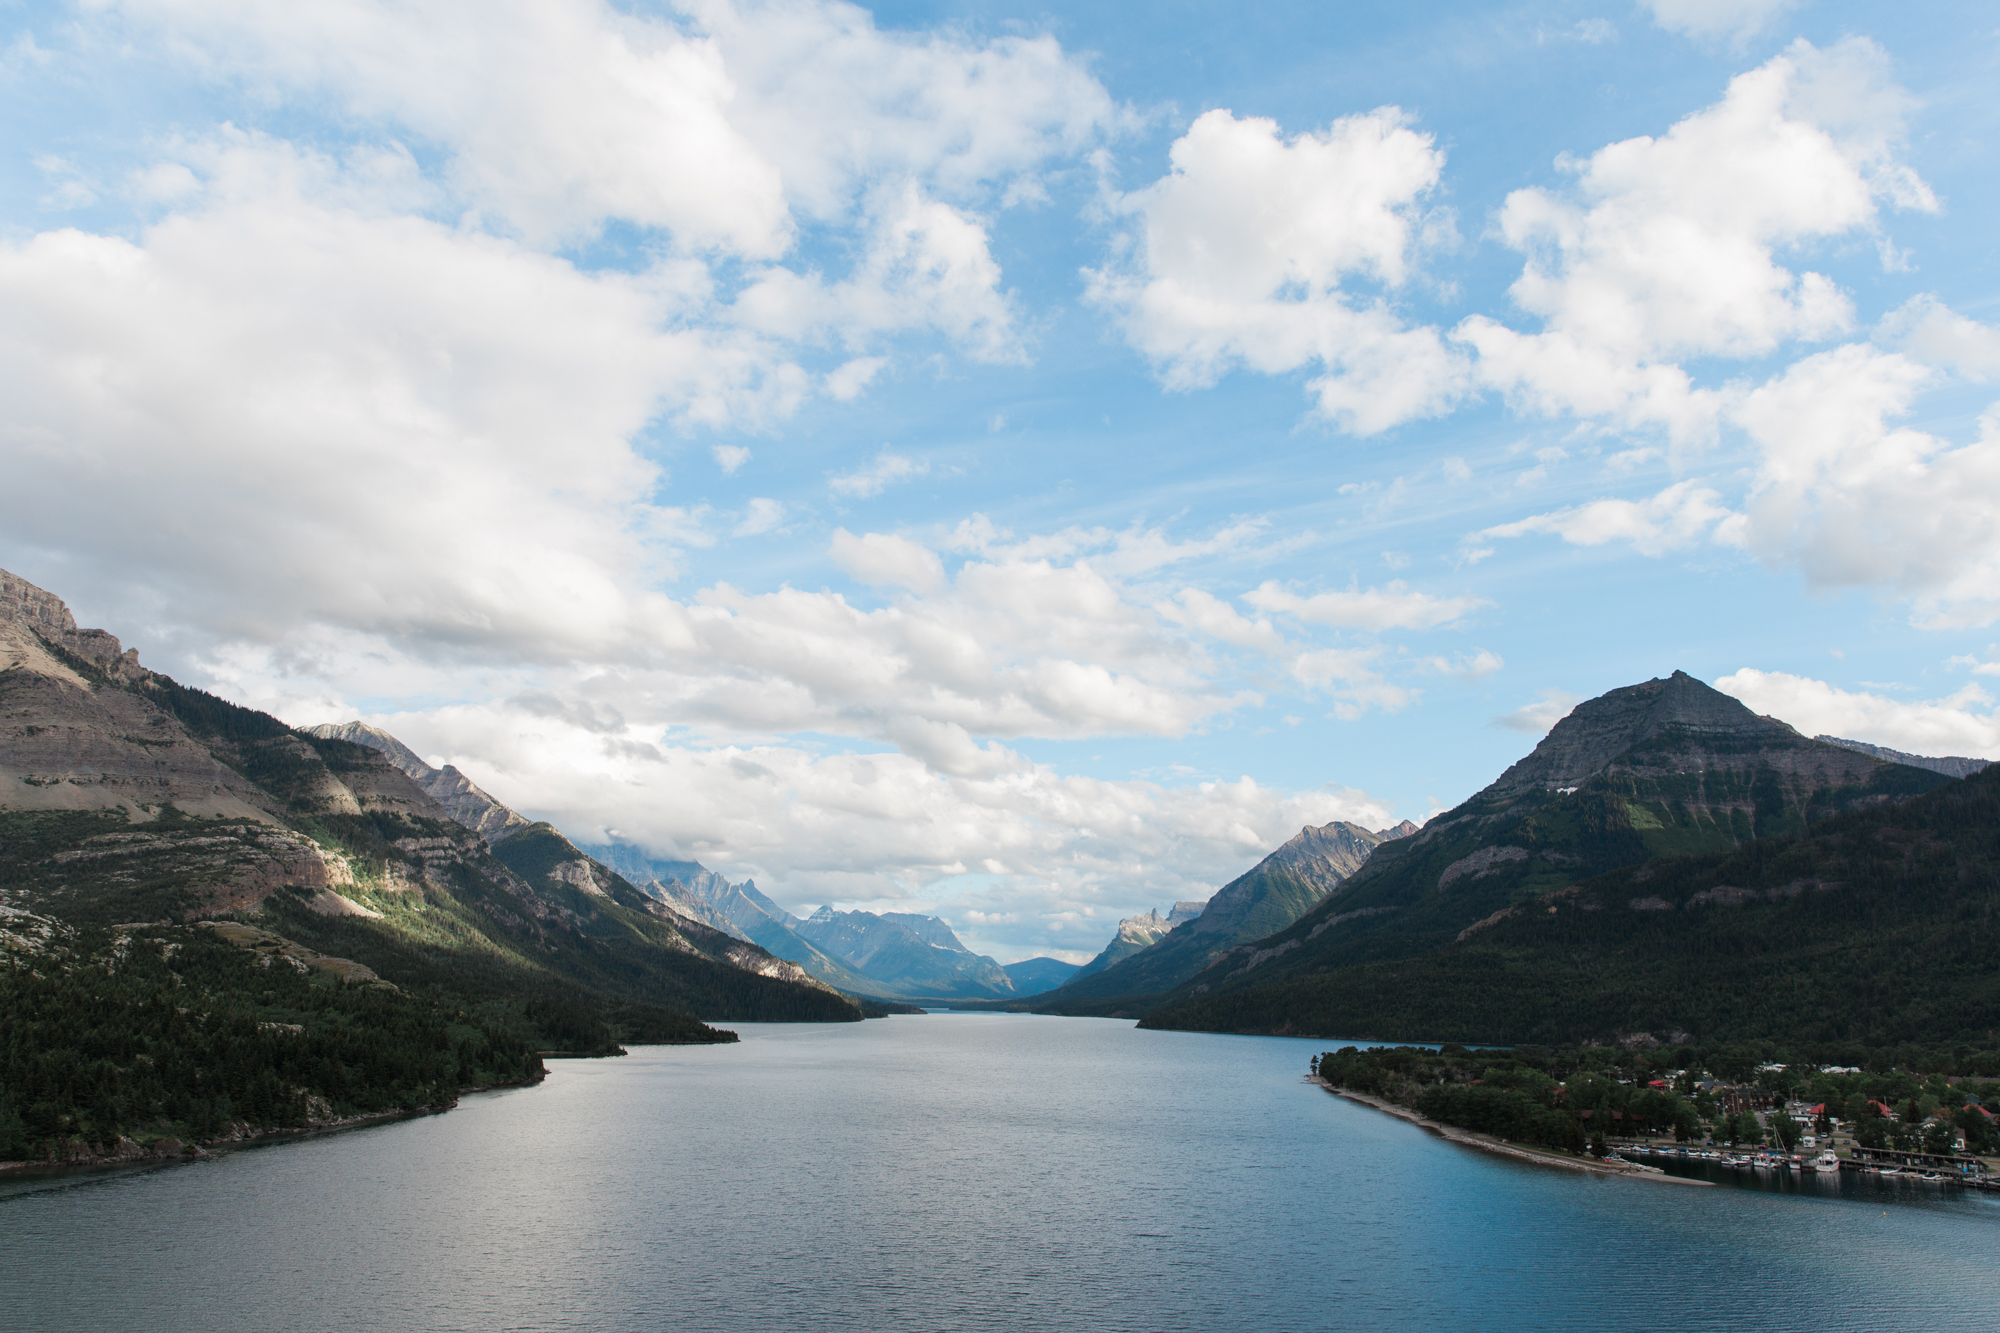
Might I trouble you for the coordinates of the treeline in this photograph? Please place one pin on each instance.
(168, 1032)
(1577, 1097)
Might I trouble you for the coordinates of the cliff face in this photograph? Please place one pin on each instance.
(459, 795)
(1665, 768)
(1952, 766)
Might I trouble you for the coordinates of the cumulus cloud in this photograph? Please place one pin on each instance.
(1927, 330)
(558, 114)
(456, 413)
(1536, 718)
(1249, 251)
(1665, 249)
(729, 457)
(1853, 500)
(1963, 723)
(881, 560)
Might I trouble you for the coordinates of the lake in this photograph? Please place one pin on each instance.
(958, 1171)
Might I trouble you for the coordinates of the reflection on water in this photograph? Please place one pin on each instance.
(960, 1172)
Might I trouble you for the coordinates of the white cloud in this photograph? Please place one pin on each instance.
(1963, 723)
(1839, 492)
(886, 470)
(847, 381)
(723, 124)
(1198, 610)
(727, 134)
(1666, 248)
(324, 415)
(1247, 250)
(729, 457)
(1390, 607)
(1927, 330)
(1734, 19)
(883, 830)
(1678, 517)
(763, 515)
(1351, 677)
(927, 267)
(1536, 718)
(1470, 669)
(881, 560)
(1854, 501)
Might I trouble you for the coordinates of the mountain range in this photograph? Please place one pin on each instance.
(885, 956)
(125, 796)
(1500, 920)
(1272, 895)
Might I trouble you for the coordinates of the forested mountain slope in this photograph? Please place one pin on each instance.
(1879, 927)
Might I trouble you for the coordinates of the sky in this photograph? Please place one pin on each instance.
(1016, 463)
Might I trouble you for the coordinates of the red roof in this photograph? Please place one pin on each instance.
(1659, 1083)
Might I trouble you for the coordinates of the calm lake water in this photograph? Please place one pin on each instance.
(959, 1172)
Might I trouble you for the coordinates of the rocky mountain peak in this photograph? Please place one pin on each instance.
(1602, 730)
(42, 614)
(458, 794)
(21, 602)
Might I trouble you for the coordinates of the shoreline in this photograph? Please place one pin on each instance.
(1487, 1143)
(236, 1140)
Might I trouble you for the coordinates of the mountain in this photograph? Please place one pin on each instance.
(1139, 932)
(1953, 767)
(125, 796)
(694, 890)
(686, 887)
(1272, 895)
(1667, 768)
(905, 955)
(461, 799)
(1876, 928)
(1032, 976)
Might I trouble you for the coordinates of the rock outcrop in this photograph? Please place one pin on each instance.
(458, 794)
(1952, 766)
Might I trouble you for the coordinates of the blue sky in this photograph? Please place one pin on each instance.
(1018, 463)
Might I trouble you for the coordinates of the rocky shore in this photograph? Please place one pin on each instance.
(1487, 1143)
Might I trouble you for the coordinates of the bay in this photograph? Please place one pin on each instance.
(958, 1171)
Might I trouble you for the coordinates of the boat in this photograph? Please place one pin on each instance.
(1827, 1163)
(1931, 1178)
(1887, 1171)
